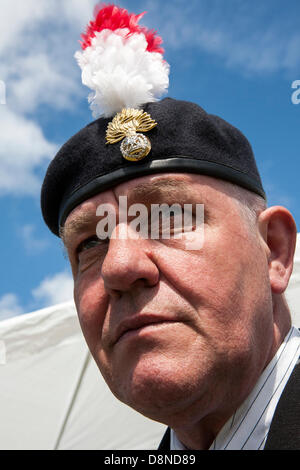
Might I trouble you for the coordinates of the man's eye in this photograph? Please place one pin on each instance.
(178, 224)
(88, 244)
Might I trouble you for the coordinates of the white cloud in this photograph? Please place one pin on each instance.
(23, 148)
(15, 17)
(9, 307)
(249, 36)
(54, 290)
(51, 291)
(78, 12)
(33, 245)
(37, 43)
(38, 83)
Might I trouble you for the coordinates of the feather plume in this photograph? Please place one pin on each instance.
(121, 62)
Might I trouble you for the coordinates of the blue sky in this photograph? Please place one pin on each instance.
(236, 58)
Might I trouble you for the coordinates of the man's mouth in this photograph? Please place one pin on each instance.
(135, 324)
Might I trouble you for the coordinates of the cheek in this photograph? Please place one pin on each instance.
(91, 303)
(224, 280)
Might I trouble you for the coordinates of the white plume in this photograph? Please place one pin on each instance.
(121, 72)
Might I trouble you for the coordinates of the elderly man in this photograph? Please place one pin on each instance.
(198, 339)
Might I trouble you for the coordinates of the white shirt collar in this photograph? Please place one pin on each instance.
(249, 426)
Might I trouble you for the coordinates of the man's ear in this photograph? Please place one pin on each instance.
(279, 231)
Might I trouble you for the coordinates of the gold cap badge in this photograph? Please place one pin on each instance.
(126, 125)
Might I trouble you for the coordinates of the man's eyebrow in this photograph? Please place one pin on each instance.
(82, 221)
(164, 188)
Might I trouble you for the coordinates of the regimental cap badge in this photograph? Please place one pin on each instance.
(128, 126)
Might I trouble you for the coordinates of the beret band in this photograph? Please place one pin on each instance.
(175, 164)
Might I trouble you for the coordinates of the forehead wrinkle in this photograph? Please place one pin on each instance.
(81, 221)
(159, 189)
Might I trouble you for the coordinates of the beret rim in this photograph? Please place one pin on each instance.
(184, 164)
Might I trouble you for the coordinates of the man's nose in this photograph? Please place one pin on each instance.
(128, 263)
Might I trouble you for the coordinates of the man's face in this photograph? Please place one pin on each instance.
(170, 328)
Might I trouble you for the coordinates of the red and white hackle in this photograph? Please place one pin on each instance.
(121, 62)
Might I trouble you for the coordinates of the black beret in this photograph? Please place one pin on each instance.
(185, 140)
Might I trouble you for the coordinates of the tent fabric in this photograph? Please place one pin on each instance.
(52, 396)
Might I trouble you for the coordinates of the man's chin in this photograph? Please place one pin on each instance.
(154, 388)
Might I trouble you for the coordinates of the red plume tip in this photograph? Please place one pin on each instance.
(113, 17)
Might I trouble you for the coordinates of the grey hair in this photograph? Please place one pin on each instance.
(250, 204)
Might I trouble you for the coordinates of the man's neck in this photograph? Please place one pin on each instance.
(202, 434)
